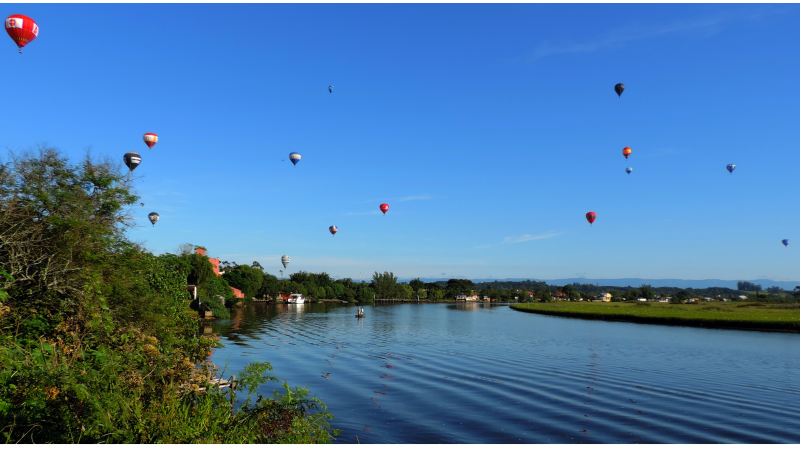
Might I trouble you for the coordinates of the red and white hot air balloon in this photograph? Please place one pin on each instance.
(22, 29)
(150, 139)
(384, 208)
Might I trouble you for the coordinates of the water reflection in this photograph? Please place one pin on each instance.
(427, 373)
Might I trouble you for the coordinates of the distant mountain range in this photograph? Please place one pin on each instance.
(636, 282)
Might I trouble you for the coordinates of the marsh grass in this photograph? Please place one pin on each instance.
(753, 316)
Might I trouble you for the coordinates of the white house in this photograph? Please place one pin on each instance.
(642, 299)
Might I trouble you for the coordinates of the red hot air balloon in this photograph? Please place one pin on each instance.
(384, 208)
(590, 216)
(22, 29)
(150, 139)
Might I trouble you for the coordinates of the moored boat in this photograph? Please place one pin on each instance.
(297, 298)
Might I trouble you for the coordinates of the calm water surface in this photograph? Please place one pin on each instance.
(475, 373)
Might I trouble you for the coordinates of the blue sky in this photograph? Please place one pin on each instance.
(490, 130)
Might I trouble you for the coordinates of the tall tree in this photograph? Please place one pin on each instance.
(384, 285)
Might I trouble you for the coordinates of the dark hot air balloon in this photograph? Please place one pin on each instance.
(22, 29)
(590, 216)
(730, 168)
(333, 229)
(619, 88)
(330, 89)
(132, 160)
(153, 218)
(785, 242)
(384, 207)
(629, 170)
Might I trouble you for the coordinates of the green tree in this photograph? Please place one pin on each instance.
(416, 284)
(245, 278)
(456, 286)
(202, 269)
(645, 291)
(384, 285)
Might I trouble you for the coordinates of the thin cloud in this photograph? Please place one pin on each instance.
(527, 237)
(415, 197)
(635, 32)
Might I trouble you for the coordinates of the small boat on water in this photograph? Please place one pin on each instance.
(297, 298)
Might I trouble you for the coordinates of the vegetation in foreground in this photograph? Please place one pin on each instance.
(97, 341)
(760, 316)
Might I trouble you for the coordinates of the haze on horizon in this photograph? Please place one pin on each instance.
(489, 129)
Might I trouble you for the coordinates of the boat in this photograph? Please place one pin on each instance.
(297, 298)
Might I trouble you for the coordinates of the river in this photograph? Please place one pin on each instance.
(481, 373)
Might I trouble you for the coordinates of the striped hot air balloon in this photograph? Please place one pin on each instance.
(150, 139)
(22, 29)
(285, 260)
(132, 160)
(295, 158)
(333, 229)
(384, 207)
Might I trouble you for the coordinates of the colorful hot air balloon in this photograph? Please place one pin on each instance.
(22, 29)
(384, 208)
(629, 170)
(150, 139)
(626, 152)
(132, 160)
(285, 260)
(730, 168)
(590, 216)
(785, 242)
(333, 229)
(294, 157)
(330, 89)
(619, 88)
(153, 218)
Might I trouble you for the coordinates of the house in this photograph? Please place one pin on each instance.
(692, 300)
(642, 299)
(663, 300)
(558, 295)
(604, 297)
(471, 297)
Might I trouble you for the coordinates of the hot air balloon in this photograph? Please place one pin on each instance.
(626, 152)
(730, 168)
(294, 157)
(142, 204)
(333, 229)
(22, 29)
(619, 88)
(785, 242)
(153, 218)
(629, 170)
(330, 89)
(132, 160)
(150, 139)
(590, 216)
(285, 260)
(384, 208)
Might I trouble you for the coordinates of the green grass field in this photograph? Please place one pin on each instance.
(742, 316)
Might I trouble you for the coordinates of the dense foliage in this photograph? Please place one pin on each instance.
(97, 341)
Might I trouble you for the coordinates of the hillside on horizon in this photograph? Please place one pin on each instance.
(635, 282)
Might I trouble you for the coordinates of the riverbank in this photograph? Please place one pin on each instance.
(738, 316)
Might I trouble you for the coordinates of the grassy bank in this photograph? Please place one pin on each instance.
(740, 316)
